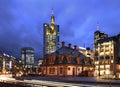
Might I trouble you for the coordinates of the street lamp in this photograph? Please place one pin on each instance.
(108, 73)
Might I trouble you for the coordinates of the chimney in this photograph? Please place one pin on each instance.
(63, 44)
(88, 48)
(69, 45)
(75, 47)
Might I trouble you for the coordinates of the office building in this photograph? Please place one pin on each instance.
(10, 65)
(107, 55)
(40, 62)
(51, 36)
(27, 56)
(87, 52)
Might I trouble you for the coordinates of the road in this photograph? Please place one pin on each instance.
(61, 82)
(91, 81)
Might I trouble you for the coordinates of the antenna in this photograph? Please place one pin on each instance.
(98, 27)
(84, 45)
(52, 11)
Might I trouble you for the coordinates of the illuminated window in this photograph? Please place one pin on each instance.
(107, 72)
(51, 70)
(102, 72)
(107, 66)
(101, 66)
(107, 62)
(96, 67)
(111, 61)
(96, 62)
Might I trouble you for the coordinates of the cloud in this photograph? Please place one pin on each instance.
(21, 22)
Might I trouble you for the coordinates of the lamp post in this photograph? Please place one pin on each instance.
(109, 79)
(4, 62)
(108, 73)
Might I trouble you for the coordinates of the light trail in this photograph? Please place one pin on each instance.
(58, 84)
(4, 78)
(42, 83)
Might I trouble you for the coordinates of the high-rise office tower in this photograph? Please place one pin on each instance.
(107, 55)
(27, 56)
(51, 36)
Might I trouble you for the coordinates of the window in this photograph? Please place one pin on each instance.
(107, 62)
(68, 68)
(107, 66)
(96, 58)
(101, 66)
(96, 53)
(111, 57)
(107, 57)
(101, 57)
(107, 46)
(106, 50)
(101, 50)
(61, 70)
(51, 70)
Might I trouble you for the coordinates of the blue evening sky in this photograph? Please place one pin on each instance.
(21, 22)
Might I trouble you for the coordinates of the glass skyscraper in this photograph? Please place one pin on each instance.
(51, 36)
(27, 56)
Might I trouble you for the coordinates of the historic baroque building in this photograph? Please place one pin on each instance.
(67, 61)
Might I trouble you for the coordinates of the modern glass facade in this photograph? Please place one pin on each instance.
(27, 56)
(51, 36)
